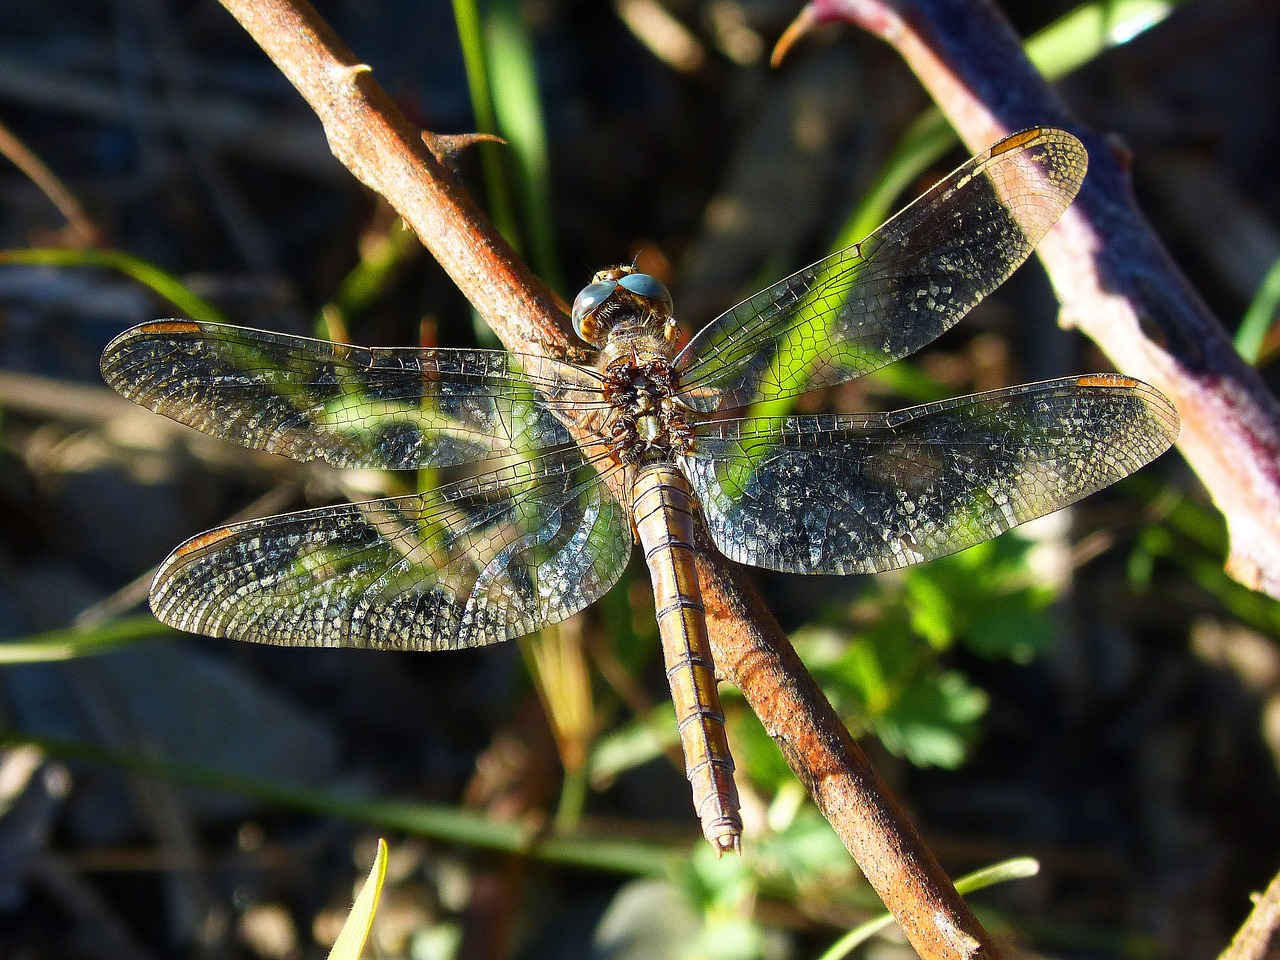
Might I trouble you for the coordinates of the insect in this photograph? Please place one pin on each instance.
(562, 465)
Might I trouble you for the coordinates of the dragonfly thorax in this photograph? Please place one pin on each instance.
(628, 315)
(647, 424)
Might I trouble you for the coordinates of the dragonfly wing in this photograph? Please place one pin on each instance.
(394, 408)
(905, 284)
(865, 493)
(486, 559)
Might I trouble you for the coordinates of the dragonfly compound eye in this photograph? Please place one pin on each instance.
(586, 304)
(651, 288)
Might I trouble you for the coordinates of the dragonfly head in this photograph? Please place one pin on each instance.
(622, 296)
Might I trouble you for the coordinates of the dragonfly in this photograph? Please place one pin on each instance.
(561, 464)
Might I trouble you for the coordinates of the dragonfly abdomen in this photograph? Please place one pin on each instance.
(663, 512)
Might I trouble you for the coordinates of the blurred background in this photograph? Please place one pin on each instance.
(1090, 691)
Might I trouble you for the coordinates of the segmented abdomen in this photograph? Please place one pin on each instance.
(663, 511)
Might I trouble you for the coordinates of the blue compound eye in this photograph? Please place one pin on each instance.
(586, 303)
(643, 285)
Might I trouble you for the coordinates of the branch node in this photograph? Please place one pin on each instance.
(961, 941)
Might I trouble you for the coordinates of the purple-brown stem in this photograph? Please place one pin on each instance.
(1114, 278)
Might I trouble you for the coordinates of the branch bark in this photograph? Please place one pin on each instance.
(368, 134)
(1114, 278)
(1259, 937)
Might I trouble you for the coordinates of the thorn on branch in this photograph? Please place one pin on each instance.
(448, 147)
(349, 73)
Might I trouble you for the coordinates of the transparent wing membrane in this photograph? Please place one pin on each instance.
(472, 563)
(389, 408)
(904, 285)
(536, 531)
(861, 494)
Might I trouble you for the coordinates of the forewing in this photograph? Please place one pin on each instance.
(886, 297)
(393, 408)
(861, 494)
(472, 563)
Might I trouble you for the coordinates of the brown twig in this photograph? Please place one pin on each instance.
(374, 141)
(82, 230)
(1259, 937)
(1114, 278)
(757, 657)
(369, 136)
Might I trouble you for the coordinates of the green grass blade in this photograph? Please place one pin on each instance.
(1017, 868)
(517, 104)
(189, 305)
(447, 824)
(69, 644)
(1260, 317)
(365, 281)
(925, 142)
(1077, 37)
(467, 15)
(643, 739)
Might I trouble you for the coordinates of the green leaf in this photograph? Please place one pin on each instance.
(755, 753)
(933, 720)
(646, 920)
(984, 598)
(806, 852)
(1010, 630)
(932, 614)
